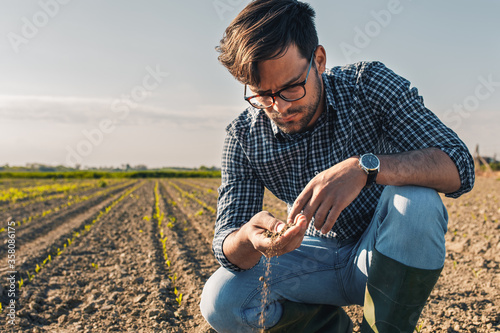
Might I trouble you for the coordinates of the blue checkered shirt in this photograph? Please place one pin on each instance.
(369, 109)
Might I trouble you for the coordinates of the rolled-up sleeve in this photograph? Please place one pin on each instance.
(240, 197)
(409, 125)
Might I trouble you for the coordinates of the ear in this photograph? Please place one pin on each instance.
(320, 59)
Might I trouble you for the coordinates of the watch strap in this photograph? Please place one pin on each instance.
(372, 176)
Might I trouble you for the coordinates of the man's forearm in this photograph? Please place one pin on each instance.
(429, 167)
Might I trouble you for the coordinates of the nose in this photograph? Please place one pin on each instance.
(280, 105)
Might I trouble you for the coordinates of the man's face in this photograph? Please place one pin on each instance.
(291, 68)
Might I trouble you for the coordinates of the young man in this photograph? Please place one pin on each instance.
(358, 159)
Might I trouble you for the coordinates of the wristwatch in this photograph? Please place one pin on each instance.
(370, 164)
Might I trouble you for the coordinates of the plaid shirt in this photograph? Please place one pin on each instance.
(369, 109)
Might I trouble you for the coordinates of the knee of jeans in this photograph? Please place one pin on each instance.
(422, 205)
(414, 226)
(218, 303)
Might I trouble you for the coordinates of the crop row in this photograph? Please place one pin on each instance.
(76, 233)
(14, 194)
(159, 216)
(197, 186)
(57, 195)
(193, 197)
(71, 201)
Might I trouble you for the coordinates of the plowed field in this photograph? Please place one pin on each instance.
(133, 256)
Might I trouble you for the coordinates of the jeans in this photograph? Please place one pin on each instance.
(409, 225)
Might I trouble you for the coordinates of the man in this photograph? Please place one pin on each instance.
(358, 159)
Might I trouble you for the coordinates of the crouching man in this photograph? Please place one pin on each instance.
(359, 160)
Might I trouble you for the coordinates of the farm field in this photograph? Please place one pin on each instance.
(132, 255)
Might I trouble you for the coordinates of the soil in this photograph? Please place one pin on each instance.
(114, 277)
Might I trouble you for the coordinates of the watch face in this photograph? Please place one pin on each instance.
(370, 161)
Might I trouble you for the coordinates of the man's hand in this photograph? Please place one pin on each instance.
(329, 193)
(245, 246)
(291, 239)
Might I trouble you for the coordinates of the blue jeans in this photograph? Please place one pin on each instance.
(409, 225)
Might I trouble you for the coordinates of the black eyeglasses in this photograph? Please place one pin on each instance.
(290, 94)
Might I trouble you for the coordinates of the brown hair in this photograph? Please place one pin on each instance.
(264, 30)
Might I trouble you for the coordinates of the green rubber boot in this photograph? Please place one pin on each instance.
(395, 295)
(309, 318)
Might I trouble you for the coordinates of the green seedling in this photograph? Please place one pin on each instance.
(179, 299)
(96, 266)
(20, 283)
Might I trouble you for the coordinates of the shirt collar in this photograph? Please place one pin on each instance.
(328, 89)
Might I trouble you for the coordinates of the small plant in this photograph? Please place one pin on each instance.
(37, 269)
(96, 266)
(20, 283)
(179, 299)
(418, 329)
(199, 213)
(146, 218)
(140, 230)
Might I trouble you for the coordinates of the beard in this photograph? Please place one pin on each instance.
(305, 112)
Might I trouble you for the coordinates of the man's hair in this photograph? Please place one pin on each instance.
(265, 30)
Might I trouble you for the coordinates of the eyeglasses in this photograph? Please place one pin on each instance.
(291, 93)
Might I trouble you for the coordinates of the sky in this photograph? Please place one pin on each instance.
(105, 83)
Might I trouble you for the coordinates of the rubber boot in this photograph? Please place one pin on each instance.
(309, 318)
(395, 295)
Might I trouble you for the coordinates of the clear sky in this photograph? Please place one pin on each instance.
(104, 83)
